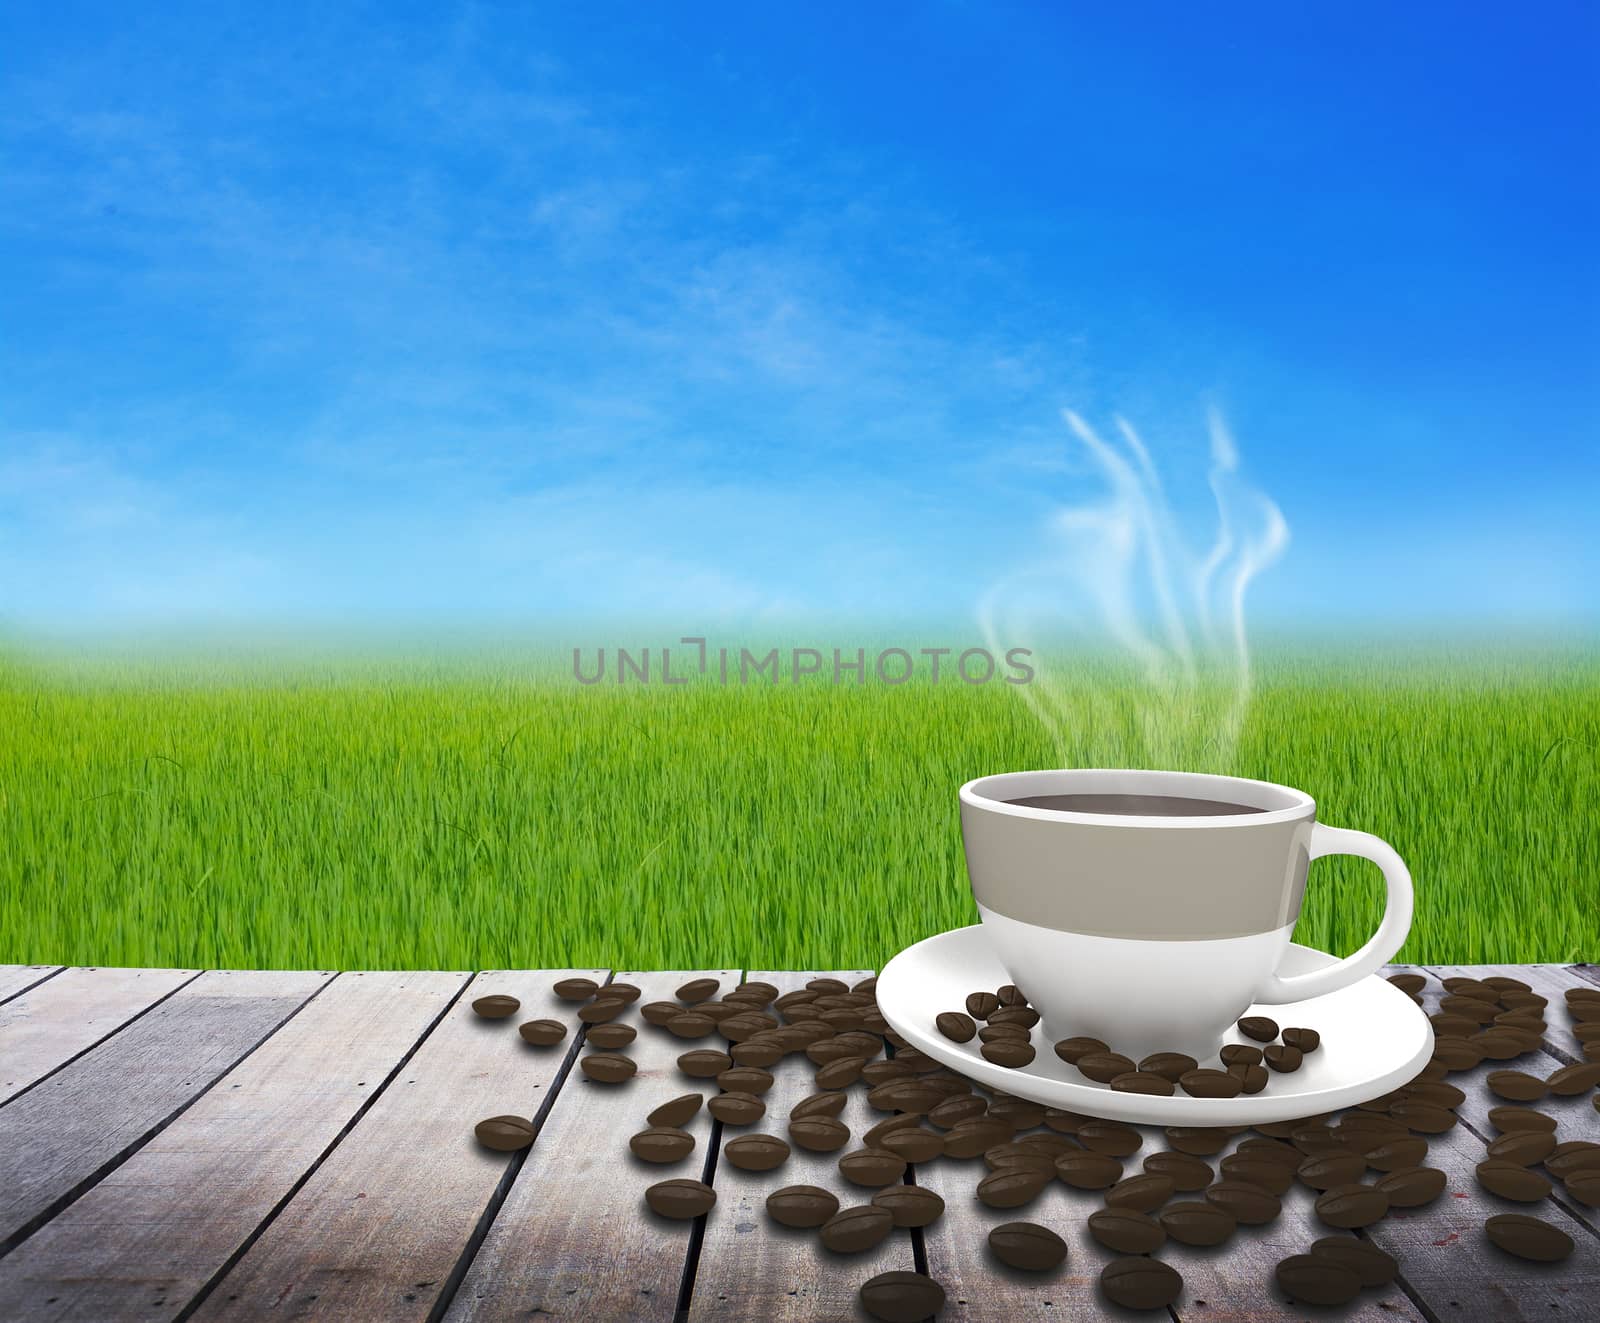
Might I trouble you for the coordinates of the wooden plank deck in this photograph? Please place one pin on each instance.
(239, 1146)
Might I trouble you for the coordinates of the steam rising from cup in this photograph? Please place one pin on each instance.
(1118, 587)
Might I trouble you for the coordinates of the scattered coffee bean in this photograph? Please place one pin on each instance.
(1239, 1054)
(575, 989)
(608, 1067)
(1315, 1279)
(840, 1074)
(1011, 1187)
(1048, 1142)
(1584, 1186)
(1452, 1026)
(873, 1168)
(1143, 1081)
(1436, 1092)
(1424, 1118)
(497, 1007)
(1027, 1246)
(690, 1024)
(1168, 1065)
(1523, 1147)
(542, 1033)
(610, 1036)
(1412, 1187)
(971, 1138)
(952, 1111)
(1196, 1223)
(699, 989)
(1258, 1027)
(829, 1049)
(1126, 1230)
(737, 1108)
(1506, 1179)
(910, 1205)
(803, 1206)
(1283, 1058)
(1062, 1121)
(993, 1033)
(1139, 1283)
(1271, 1150)
(1353, 1205)
(1071, 1049)
(1110, 1137)
(704, 1063)
(1457, 1054)
(914, 1144)
(504, 1134)
(680, 1198)
(1570, 1081)
(1026, 1016)
(1010, 1053)
(1186, 1173)
(756, 1152)
(1274, 1176)
(1520, 1118)
(1307, 1040)
(1370, 1264)
(1252, 1079)
(1528, 1237)
(956, 1027)
(855, 1230)
(1411, 984)
(1249, 1203)
(1011, 995)
(678, 1112)
(1198, 1141)
(819, 1104)
(659, 1012)
(902, 1297)
(1021, 1113)
(1211, 1084)
(1020, 1155)
(981, 1005)
(1088, 1171)
(1329, 1170)
(819, 1134)
(1516, 1085)
(745, 1079)
(1103, 1067)
(1143, 1193)
(662, 1144)
(1480, 1012)
(1573, 1156)
(601, 1010)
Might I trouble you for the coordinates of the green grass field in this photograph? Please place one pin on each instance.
(490, 813)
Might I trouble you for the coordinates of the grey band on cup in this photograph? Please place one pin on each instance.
(1177, 883)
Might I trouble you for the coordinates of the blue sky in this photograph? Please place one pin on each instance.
(754, 313)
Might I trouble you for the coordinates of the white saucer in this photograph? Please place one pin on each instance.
(1374, 1038)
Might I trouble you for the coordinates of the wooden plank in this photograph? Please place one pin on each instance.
(45, 1027)
(574, 1238)
(749, 1266)
(377, 1231)
(61, 1137)
(150, 1235)
(16, 979)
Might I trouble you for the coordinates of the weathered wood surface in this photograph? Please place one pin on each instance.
(378, 1230)
(150, 1235)
(15, 979)
(44, 1027)
(60, 1138)
(749, 1267)
(574, 1238)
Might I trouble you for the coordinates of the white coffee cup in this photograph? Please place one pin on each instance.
(1149, 930)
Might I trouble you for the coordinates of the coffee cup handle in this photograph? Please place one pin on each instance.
(1391, 934)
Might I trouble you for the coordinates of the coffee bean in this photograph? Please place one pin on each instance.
(1424, 1118)
(1048, 1143)
(759, 1052)
(829, 1049)
(1504, 1044)
(699, 989)
(1570, 1081)
(1071, 1049)
(737, 1109)
(1211, 1084)
(971, 1138)
(678, 1112)
(1021, 1113)
(1523, 1001)
(542, 1033)
(575, 989)
(704, 1063)
(756, 1152)
(1140, 1081)
(871, 1167)
(1316, 1140)
(1259, 1028)
(1274, 1176)
(1529, 1020)
(906, 1095)
(1126, 1230)
(1252, 1079)
(1307, 1040)
(1110, 1137)
(1410, 984)
(1062, 1121)
(1088, 1171)
(1185, 1173)
(1353, 1205)
(680, 1198)
(801, 1206)
(819, 1134)
(994, 1033)
(659, 1012)
(881, 1072)
(1529, 1237)
(610, 1036)
(1516, 1085)
(1457, 1053)
(1199, 1141)
(1520, 1118)
(1412, 1187)
(1196, 1223)
(662, 1144)
(1011, 995)
(1462, 986)
(1027, 1246)
(823, 986)
(855, 1230)
(690, 1024)
(840, 1074)
(497, 1007)
(914, 1144)
(892, 1125)
(956, 1027)
(1143, 1193)
(1369, 1125)
(1502, 984)
(1586, 1033)
(1238, 1054)
(737, 1028)
(1282, 1058)
(1481, 1012)
(608, 1067)
(1103, 1067)
(1509, 1181)
(1139, 1283)
(1011, 1187)
(981, 1005)
(1020, 1155)
(1574, 1155)
(504, 1134)
(1314, 1279)
(1436, 1092)
(1584, 1186)
(902, 1297)
(628, 992)
(1008, 1053)
(867, 986)
(1453, 1026)
(1329, 1170)
(910, 1205)
(1248, 1203)
(1370, 1264)
(1523, 1147)
(1581, 994)
(819, 1104)
(952, 1111)
(1271, 1150)
(602, 1009)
